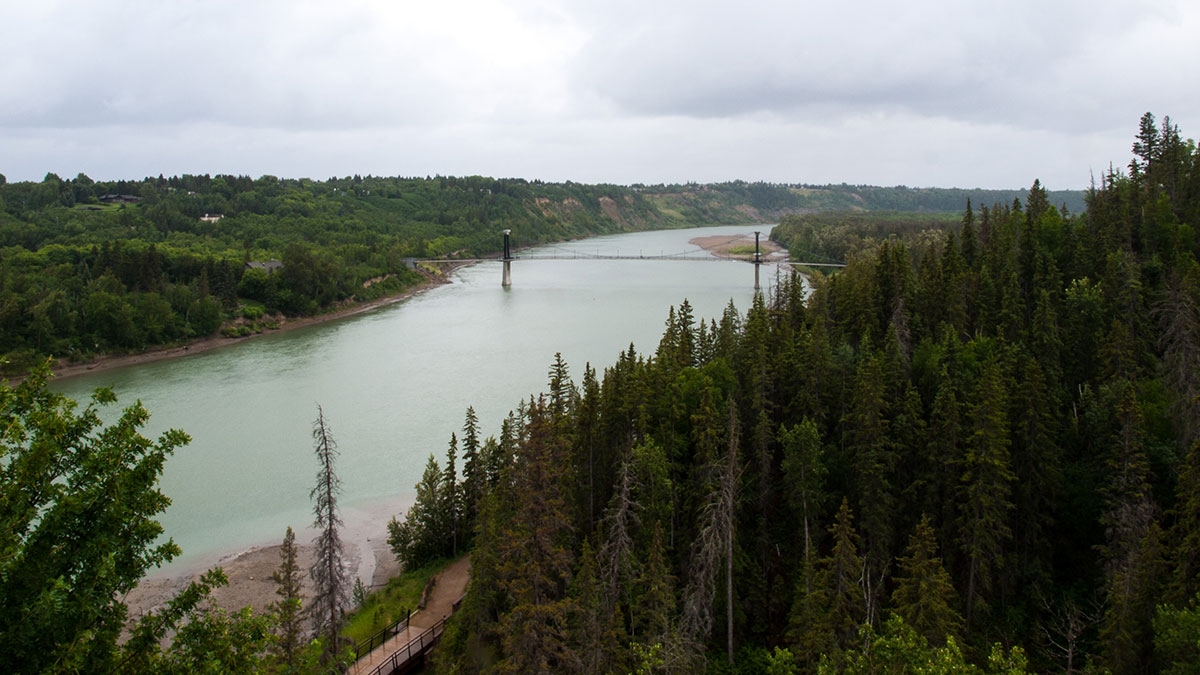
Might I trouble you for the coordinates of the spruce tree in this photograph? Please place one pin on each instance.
(924, 595)
(1185, 582)
(594, 623)
(1037, 464)
(986, 488)
(845, 571)
(712, 547)
(534, 556)
(586, 453)
(869, 443)
(288, 608)
(804, 473)
(810, 631)
(330, 581)
(424, 534)
(450, 497)
(1132, 550)
(474, 480)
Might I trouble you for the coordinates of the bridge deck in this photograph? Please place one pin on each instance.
(626, 257)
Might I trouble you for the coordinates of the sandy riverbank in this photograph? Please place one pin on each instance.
(367, 557)
(720, 245)
(64, 370)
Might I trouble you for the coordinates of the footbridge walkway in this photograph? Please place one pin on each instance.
(699, 254)
(404, 647)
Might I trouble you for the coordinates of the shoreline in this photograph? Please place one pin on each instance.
(366, 556)
(720, 245)
(61, 370)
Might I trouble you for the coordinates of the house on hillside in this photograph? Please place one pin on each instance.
(270, 266)
(211, 217)
(113, 198)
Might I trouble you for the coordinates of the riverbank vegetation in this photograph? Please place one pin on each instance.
(89, 268)
(379, 609)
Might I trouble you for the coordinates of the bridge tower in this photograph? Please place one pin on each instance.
(757, 260)
(506, 280)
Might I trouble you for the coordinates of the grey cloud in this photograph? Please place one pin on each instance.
(1009, 63)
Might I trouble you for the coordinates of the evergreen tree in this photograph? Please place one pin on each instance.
(655, 607)
(1179, 315)
(534, 556)
(1185, 582)
(562, 390)
(924, 595)
(595, 624)
(810, 631)
(288, 608)
(424, 534)
(869, 443)
(804, 473)
(1037, 469)
(968, 235)
(474, 480)
(450, 496)
(586, 451)
(330, 581)
(713, 543)
(937, 474)
(845, 572)
(1132, 550)
(986, 488)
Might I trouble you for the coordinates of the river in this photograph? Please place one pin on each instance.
(395, 383)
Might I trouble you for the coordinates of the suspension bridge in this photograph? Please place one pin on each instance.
(695, 254)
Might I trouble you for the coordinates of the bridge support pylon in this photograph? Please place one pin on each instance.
(757, 261)
(506, 280)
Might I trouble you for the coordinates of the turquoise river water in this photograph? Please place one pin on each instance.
(395, 382)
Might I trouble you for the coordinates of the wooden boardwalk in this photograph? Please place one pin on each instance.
(407, 648)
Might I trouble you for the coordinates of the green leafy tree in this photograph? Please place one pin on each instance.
(205, 638)
(898, 648)
(1177, 638)
(78, 525)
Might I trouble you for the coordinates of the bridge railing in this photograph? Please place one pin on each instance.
(414, 648)
(365, 647)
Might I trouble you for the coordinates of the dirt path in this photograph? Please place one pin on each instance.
(448, 587)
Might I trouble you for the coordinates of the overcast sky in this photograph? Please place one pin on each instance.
(922, 93)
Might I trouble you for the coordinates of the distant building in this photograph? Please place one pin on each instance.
(211, 217)
(114, 198)
(270, 266)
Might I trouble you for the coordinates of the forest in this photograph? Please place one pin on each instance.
(976, 448)
(90, 268)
